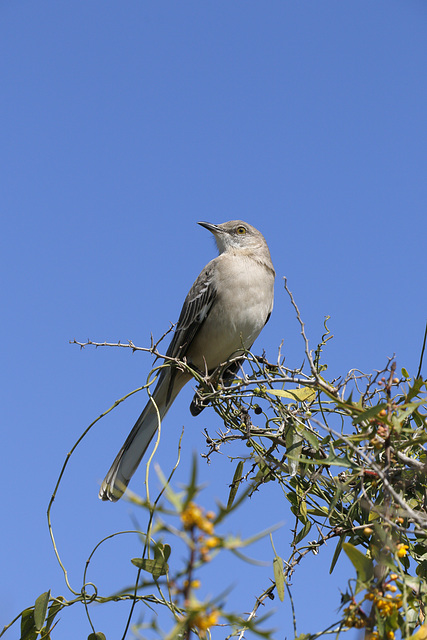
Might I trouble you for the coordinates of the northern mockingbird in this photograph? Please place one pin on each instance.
(222, 315)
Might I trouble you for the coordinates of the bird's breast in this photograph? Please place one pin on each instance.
(242, 305)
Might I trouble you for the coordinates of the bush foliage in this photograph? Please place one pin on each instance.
(350, 457)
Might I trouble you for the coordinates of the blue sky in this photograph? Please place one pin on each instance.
(122, 125)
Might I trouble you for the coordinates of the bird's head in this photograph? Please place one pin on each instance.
(235, 235)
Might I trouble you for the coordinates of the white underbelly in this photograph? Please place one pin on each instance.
(235, 319)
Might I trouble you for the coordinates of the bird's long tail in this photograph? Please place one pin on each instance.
(131, 453)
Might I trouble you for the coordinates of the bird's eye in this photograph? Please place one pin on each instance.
(241, 231)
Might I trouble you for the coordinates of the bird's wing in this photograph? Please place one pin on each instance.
(194, 312)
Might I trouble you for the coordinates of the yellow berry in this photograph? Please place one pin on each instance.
(212, 542)
(203, 621)
(191, 515)
(402, 550)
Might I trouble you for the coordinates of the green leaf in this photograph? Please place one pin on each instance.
(293, 498)
(28, 629)
(54, 609)
(278, 572)
(332, 460)
(418, 421)
(363, 565)
(404, 412)
(40, 610)
(301, 534)
(293, 449)
(96, 636)
(235, 483)
(192, 487)
(337, 552)
(161, 551)
(174, 498)
(306, 394)
(415, 389)
(349, 399)
(369, 413)
(303, 509)
(157, 568)
(312, 439)
(373, 516)
(320, 511)
(166, 551)
(278, 577)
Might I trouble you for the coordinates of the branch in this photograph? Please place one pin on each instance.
(319, 380)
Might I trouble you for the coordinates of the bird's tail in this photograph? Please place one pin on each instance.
(131, 453)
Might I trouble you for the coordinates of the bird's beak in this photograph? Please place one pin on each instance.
(214, 228)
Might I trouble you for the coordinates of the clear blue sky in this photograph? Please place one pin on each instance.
(122, 125)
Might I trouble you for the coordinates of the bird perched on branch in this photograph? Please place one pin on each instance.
(223, 314)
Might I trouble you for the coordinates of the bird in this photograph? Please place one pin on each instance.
(222, 315)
